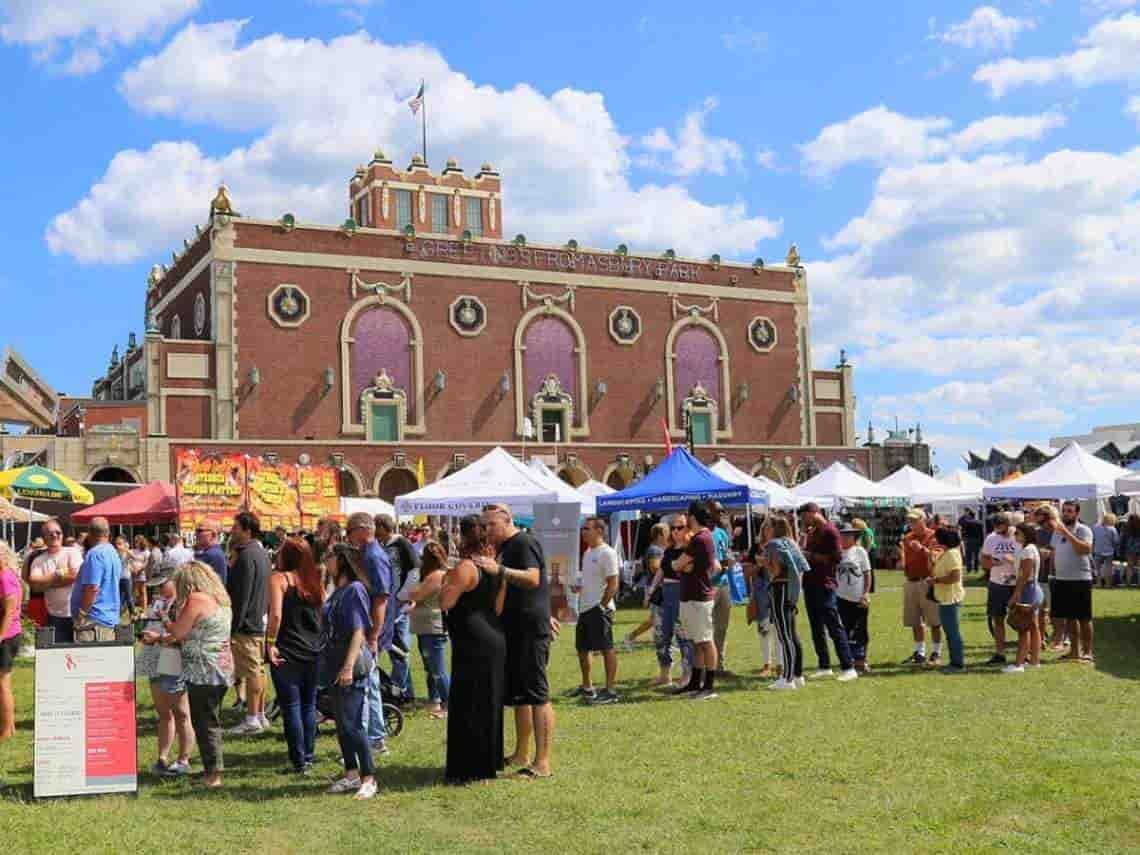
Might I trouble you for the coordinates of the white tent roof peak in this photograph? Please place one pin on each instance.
(1072, 473)
(922, 489)
(778, 495)
(497, 476)
(837, 484)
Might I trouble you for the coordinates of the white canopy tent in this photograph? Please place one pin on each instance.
(375, 507)
(1071, 474)
(594, 488)
(966, 482)
(921, 489)
(837, 485)
(497, 476)
(778, 495)
(565, 492)
(1128, 485)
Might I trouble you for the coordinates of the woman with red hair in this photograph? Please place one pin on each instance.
(292, 647)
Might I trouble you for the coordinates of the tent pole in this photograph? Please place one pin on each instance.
(748, 516)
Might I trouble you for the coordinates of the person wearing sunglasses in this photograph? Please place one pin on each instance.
(53, 573)
(669, 626)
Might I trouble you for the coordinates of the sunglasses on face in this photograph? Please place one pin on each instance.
(53, 534)
(679, 527)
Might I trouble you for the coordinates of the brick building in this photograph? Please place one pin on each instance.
(414, 330)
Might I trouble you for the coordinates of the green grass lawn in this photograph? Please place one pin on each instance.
(903, 761)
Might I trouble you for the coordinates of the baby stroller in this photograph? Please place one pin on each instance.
(391, 699)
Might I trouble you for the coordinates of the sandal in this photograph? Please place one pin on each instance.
(528, 774)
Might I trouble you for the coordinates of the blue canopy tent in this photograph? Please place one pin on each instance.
(680, 479)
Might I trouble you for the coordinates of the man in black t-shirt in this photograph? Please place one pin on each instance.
(528, 628)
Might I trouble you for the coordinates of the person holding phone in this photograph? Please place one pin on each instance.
(162, 667)
(998, 560)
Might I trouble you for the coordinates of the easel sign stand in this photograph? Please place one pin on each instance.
(85, 728)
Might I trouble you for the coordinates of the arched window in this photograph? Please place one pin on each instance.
(805, 471)
(696, 357)
(382, 361)
(550, 375)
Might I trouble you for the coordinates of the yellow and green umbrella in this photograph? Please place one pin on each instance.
(36, 482)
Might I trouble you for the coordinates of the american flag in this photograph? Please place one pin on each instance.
(418, 101)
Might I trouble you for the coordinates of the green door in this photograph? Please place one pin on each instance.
(702, 428)
(552, 426)
(384, 427)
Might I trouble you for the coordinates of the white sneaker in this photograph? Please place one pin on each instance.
(1013, 669)
(848, 675)
(800, 682)
(821, 673)
(346, 785)
(366, 790)
(782, 685)
(246, 728)
(265, 722)
(686, 675)
(627, 644)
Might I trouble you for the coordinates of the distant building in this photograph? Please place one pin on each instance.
(1118, 444)
(900, 448)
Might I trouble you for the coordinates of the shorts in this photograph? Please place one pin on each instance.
(249, 656)
(1104, 566)
(1032, 595)
(997, 599)
(918, 609)
(595, 632)
(526, 680)
(1072, 599)
(697, 620)
(9, 648)
(170, 684)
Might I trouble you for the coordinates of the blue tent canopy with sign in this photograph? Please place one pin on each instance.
(678, 480)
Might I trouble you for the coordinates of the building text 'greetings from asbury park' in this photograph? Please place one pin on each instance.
(563, 260)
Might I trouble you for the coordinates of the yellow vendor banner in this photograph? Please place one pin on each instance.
(319, 491)
(272, 493)
(208, 486)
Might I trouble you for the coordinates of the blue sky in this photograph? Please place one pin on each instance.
(961, 179)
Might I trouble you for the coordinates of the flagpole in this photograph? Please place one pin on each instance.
(423, 117)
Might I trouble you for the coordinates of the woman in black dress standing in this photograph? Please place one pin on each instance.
(472, 602)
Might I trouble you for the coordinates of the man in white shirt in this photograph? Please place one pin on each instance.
(998, 560)
(177, 553)
(53, 573)
(597, 584)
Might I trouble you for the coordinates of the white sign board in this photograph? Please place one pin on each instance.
(85, 721)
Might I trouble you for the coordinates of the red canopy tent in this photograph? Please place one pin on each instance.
(152, 503)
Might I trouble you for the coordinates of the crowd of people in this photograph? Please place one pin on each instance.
(316, 613)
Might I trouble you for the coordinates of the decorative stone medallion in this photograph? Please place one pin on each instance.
(762, 334)
(199, 314)
(288, 305)
(625, 325)
(468, 316)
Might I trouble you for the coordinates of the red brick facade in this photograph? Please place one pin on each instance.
(257, 381)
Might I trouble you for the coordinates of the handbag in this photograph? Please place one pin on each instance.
(737, 587)
(169, 662)
(930, 594)
(1020, 617)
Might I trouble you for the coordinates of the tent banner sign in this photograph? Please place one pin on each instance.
(272, 493)
(318, 488)
(208, 487)
(216, 486)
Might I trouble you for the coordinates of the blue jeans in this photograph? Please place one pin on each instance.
(948, 615)
(296, 687)
(433, 650)
(64, 633)
(402, 668)
(823, 614)
(666, 629)
(375, 720)
(348, 708)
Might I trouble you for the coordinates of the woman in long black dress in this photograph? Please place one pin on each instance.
(472, 602)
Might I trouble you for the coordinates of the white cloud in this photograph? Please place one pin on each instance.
(1132, 108)
(1110, 51)
(766, 158)
(1000, 290)
(879, 136)
(86, 30)
(987, 29)
(882, 137)
(1107, 7)
(692, 152)
(310, 120)
(998, 130)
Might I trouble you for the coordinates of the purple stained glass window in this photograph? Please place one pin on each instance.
(382, 343)
(549, 350)
(696, 362)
